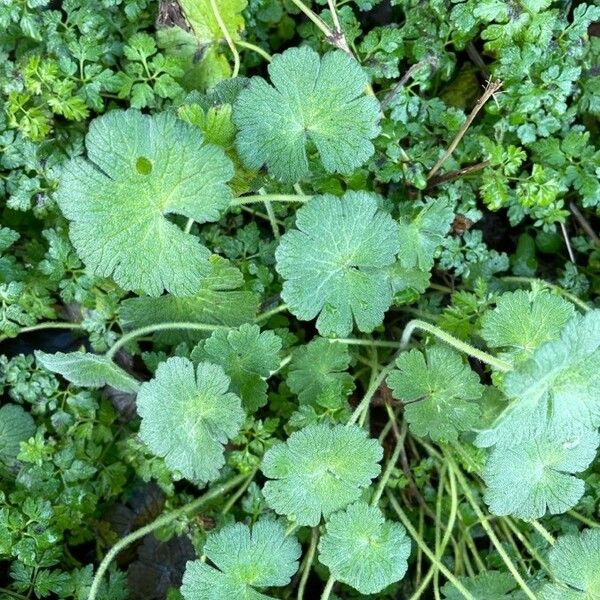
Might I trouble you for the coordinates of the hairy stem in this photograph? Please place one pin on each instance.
(227, 36)
(269, 198)
(136, 333)
(543, 532)
(46, 325)
(388, 470)
(373, 387)
(328, 588)
(308, 561)
(425, 549)
(452, 341)
(260, 51)
(271, 312)
(187, 509)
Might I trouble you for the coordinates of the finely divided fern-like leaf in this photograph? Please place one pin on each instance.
(313, 101)
(364, 550)
(88, 370)
(243, 559)
(188, 414)
(318, 470)
(334, 263)
(139, 170)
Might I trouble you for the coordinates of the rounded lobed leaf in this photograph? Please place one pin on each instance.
(318, 470)
(334, 263)
(575, 566)
(312, 101)
(141, 169)
(243, 558)
(438, 391)
(16, 426)
(188, 415)
(364, 550)
(489, 585)
(535, 477)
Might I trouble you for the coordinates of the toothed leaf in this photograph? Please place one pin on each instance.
(16, 426)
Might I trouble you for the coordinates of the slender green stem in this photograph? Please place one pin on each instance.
(269, 313)
(483, 520)
(314, 18)
(452, 341)
(188, 225)
(239, 493)
(543, 531)
(136, 333)
(308, 561)
(328, 588)
(527, 544)
(162, 521)
(364, 403)
(532, 280)
(256, 49)
(227, 36)
(359, 342)
(388, 470)
(269, 198)
(582, 518)
(45, 325)
(424, 548)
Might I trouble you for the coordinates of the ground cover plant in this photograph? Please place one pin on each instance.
(299, 299)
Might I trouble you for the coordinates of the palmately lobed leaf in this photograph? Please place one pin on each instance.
(188, 414)
(243, 559)
(139, 170)
(247, 356)
(318, 470)
(317, 367)
(88, 370)
(313, 101)
(439, 392)
(489, 585)
(536, 477)
(334, 263)
(575, 567)
(522, 321)
(364, 550)
(557, 389)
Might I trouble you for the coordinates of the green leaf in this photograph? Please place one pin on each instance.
(313, 102)
(364, 550)
(319, 470)
(16, 426)
(88, 370)
(188, 415)
(334, 263)
(557, 389)
(531, 478)
(489, 585)
(438, 391)
(141, 169)
(244, 559)
(575, 564)
(422, 233)
(203, 21)
(522, 321)
(247, 357)
(217, 302)
(317, 368)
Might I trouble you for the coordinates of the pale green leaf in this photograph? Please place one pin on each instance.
(522, 321)
(16, 426)
(188, 415)
(312, 102)
(334, 263)
(318, 470)
(243, 559)
(557, 389)
(247, 357)
(317, 368)
(364, 550)
(141, 169)
(439, 392)
(489, 585)
(202, 19)
(535, 477)
(88, 370)
(575, 566)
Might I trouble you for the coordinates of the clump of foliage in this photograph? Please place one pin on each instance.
(299, 299)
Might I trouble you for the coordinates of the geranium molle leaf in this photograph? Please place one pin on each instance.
(16, 426)
(188, 415)
(313, 101)
(334, 263)
(318, 470)
(140, 169)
